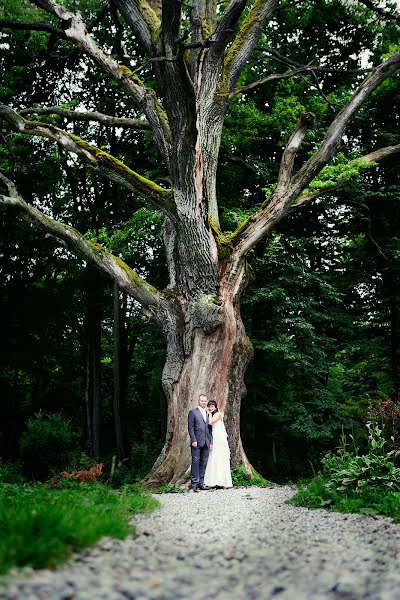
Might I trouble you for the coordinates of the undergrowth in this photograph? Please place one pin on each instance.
(349, 482)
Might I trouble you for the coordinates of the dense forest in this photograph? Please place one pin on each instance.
(81, 361)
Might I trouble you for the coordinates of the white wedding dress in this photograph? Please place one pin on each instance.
(218, 470)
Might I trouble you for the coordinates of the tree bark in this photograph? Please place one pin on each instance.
(207, 353)
(394, 346)
(119, 399)
(93, 385)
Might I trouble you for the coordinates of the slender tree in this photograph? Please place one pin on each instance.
(198, 53)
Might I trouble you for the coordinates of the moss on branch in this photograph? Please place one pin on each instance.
(115, 165)
(207, 27)
(92, 252)
(223, 241)
(253, 19)
(133, 276)
(150, 18)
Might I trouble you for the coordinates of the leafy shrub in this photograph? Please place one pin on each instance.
(359, 471)
(349, 482)
(80, 461)
(11, 472)
(46, 444)
(241, 477)
(367, 501)
(347, 471)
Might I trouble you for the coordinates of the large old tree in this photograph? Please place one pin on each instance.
(198, 51)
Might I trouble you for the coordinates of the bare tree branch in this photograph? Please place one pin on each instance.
(119, 47)
(11, 187)
(274, 76)
(106, 164)
(127, 279)
(336, 130)
(278, 205)
(227, 24)
(98, 18)
(75, 115)
(380, 11)
(239, 161)
(46, 27)
(144, 98)
(292, 63)
(320, 91)
(246, 40)
(374, 157)
(289, 154)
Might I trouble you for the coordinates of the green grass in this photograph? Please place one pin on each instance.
(242, 478)
(41, 527)
(369, 501)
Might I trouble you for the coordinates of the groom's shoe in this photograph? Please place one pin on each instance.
(195, 487)
(203, 487)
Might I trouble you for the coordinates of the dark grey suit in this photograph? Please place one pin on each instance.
(199, 432)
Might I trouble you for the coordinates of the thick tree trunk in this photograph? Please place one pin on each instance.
(214, 364)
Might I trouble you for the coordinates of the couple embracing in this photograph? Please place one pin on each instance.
(209, 446)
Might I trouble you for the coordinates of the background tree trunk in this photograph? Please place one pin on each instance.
(93, 376)
(120, 375)
(394, 346)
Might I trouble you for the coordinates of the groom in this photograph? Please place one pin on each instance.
(200, 442)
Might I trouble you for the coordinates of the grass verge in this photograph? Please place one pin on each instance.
(369, 501)
(41, 527)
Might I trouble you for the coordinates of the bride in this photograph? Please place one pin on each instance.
(218, 470)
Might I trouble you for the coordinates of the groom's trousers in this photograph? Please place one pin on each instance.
(199, 463)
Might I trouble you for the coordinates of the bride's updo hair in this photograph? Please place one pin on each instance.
(213, 403)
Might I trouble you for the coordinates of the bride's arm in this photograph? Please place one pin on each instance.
(214, 418)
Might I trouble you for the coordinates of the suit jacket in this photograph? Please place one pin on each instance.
(199, 430)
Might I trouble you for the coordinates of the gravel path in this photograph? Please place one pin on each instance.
(238, 544)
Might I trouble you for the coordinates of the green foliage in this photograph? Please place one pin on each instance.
(347, 471)
(287, 108)
(46, 444)
(386, 413)
(143, 455)
(41, 527)
(242, 478)
(78, 460)
(122, 476)
(349, 482)
(368, 501)
(340, 171)
(11, 472)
